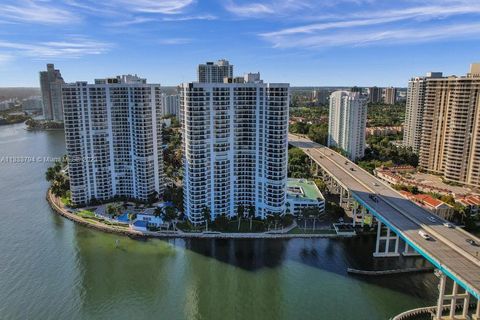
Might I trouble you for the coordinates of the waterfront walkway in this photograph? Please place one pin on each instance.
(59, 208)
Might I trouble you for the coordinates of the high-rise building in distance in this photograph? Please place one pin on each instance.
(214, 72)
(235, 141)
(51, 87)
(450, 141)
(347, 122)
(390, 95)
(113, 134)
(170, 105)
(375, 94)
(415, 106)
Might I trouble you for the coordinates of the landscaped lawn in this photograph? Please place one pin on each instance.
(86, 214)
(66, 200)
(257, 226)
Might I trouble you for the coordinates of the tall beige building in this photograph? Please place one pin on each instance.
(51, 82)
(390, 95)
(450, 141)
(415, 106)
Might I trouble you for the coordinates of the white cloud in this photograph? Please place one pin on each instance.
(4, 58)
(187, 18)
(155, 6)
(392, 36)
(366, 27)
(111, 7)
(269, 8)
(74, 47)
(382, 17)
(249, 9)
(35, 11)
(174, 41)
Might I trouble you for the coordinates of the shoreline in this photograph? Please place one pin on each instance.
(135, 234)
(44, 129)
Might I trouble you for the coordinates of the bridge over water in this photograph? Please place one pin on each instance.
(399, 222)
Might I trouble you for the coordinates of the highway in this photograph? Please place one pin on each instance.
(448, 250)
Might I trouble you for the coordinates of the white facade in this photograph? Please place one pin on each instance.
(415, 108)
(299, 198)
(347, 123)
(170, 105)
(51, 82)
(235, 147)
(113, 138)
(214, 72)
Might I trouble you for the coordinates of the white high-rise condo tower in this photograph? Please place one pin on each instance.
(235, 146)
(170, 104)
(51, 82)
(114, 140)
(214, 72)
(347, 122)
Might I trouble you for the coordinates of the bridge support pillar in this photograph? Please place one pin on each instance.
(409, 251)
(441, 295)
(354, 215)
(476, 315)
(455, 299)
(387, 243)
(364, 210)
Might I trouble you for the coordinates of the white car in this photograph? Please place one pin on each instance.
(424, 235)
(448, 225)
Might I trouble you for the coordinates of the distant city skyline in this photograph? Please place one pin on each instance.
(344, 43)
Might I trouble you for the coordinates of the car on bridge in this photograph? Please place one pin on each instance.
(424, 235)
(472, 242)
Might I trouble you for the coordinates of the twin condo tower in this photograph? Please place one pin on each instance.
(234, 131)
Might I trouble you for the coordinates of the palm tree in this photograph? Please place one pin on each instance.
(315, 213)
(269, 221)
(240, 213)
(206, 216)
(251, 214)
(111, 210)
(305, 213)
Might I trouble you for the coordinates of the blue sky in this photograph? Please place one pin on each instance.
(303, 42)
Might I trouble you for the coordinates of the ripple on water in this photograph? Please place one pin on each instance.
(51, 268)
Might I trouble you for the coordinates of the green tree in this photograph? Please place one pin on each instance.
(251, 214)
(240, 214)
(206, 213)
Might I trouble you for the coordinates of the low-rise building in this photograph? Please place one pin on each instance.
(302, 193)
(472, 202)
(433, 205)
(393, 176)
(383, 131)
(149, 217)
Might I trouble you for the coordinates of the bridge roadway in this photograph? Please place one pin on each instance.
(448, 250)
